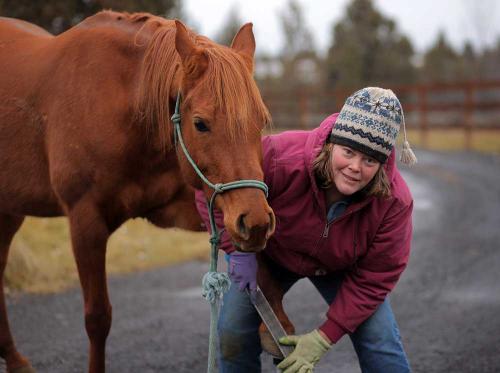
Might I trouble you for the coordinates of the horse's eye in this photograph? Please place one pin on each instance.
(200, 125)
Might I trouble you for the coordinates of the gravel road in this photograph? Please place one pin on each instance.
(447, 302)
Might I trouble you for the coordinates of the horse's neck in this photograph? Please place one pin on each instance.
(137, 24)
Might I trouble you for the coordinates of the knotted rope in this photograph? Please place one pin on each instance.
(214, 283)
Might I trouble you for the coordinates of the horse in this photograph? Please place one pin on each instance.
(85, 132)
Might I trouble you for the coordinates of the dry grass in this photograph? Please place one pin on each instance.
(41, 258)
(482, 140)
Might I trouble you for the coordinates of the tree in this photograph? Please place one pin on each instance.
(57, 16)
(230, 28)
(298, 38)
(298, 55)
(441, 62)
(489, 62)
(367, 49)
(468, 64)
(480, 19)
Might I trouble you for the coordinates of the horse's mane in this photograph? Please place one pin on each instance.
(227, 80)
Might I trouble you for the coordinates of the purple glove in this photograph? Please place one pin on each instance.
(243, 269)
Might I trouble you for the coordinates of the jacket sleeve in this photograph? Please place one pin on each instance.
(269, 165)
(366, 286)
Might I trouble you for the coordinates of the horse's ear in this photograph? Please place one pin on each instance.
(194, 61)
(183, 44)
(244, 44)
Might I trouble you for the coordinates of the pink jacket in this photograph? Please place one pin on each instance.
(370, 241)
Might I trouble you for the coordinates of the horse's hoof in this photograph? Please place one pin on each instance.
(24, 369)
(268, 344)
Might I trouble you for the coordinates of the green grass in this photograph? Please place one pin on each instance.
(41, 258)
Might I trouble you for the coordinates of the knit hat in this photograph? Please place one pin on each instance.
(369, 122)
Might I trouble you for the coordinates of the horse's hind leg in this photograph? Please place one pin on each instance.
(16, 363)
(89, 235)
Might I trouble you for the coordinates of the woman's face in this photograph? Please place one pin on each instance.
(352, 170)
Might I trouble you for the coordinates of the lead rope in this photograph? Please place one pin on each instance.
(214, 284)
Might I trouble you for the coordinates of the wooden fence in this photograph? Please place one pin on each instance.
(468, 106)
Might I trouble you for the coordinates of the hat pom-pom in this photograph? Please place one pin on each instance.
(407, 155)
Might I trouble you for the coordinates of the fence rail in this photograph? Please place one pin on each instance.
(468, 106)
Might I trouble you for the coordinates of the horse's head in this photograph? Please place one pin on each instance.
(222, 119)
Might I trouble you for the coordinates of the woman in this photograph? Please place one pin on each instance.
(343, 215)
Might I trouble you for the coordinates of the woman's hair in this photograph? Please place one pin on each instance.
(379, 186)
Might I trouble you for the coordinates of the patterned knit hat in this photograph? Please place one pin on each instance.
(369, 122)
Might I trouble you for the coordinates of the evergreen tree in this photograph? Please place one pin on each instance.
(468, 66)
(441, 62)
(298, 55)
(231, 27)
(367, 49)
(489, 63)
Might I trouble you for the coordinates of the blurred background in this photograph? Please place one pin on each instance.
(441, 58)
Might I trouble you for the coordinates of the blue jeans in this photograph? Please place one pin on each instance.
(376, 341)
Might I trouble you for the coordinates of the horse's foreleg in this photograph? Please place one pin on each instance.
(14, 360)
(89, 236)
(274, 294)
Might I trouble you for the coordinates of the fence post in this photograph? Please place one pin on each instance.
(303, 109)
(340, 97)
(469, 105)
(423, 109)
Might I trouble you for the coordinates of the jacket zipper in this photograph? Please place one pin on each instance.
(326, 229)
(320, 241)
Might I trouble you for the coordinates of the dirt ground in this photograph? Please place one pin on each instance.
(447, 302)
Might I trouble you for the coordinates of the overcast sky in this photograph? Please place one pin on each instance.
(421, 20)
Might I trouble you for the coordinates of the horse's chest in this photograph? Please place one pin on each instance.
(165, 204)
(140, 197)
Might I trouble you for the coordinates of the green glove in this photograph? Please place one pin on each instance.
(309, 348)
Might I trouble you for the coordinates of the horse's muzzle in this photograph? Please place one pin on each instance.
(253, 238)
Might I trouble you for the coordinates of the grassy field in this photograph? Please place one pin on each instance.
(41, 259)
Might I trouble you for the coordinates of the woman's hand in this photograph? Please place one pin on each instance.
(243, 270)
(309, 348)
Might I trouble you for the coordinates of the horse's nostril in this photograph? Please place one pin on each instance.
(242, 228)
(272, 225)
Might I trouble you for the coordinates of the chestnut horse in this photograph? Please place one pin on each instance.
(85, 132)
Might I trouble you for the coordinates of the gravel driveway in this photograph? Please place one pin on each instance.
(447, 302)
